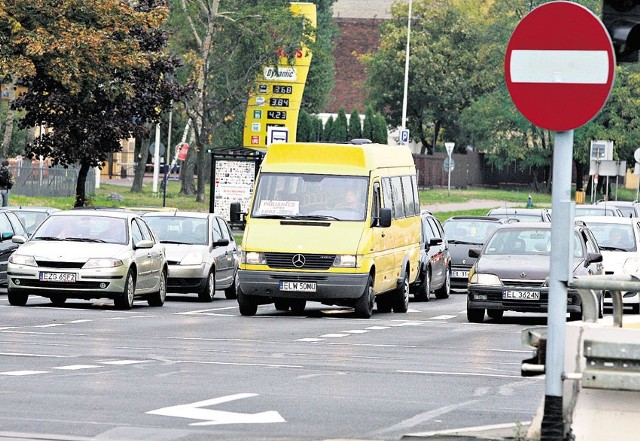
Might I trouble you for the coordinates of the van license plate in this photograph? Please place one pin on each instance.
(57, 277)
(521, 295)
(298, 286)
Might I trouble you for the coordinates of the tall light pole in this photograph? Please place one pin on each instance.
(406, 70)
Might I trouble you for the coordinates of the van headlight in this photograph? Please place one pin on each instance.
(484, 279)
(348, 261)
(19, 259)
(253, 258)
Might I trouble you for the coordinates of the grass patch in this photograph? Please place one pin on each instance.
(442, 196)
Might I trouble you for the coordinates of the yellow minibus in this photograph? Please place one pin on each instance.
(337, 224)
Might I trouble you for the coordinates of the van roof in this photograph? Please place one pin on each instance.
(322, 158)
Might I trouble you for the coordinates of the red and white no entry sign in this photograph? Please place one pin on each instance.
(559, 66)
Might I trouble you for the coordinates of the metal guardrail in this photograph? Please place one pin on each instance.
(609, 365)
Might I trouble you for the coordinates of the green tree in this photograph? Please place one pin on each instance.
(305, 127)
(318, 132)
(368, 123)
(327, 130)
(340, 127)
(96, 74)
(380, 130)
(355, 125)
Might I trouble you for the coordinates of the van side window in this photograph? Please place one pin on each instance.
(387, 194)
(416, 194)
(398, 200)
(409, 201)
(375, 207)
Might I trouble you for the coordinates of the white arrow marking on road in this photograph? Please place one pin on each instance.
(216, 417)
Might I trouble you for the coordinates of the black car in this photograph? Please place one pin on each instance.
(512, 270)
(10, 226)
(463, 233)
(435, 261)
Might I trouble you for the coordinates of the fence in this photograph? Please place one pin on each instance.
(49, 181)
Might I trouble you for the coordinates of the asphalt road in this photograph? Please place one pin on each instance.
(200, 371)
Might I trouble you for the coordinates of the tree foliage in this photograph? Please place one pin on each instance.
(355, 125)
(95, 71)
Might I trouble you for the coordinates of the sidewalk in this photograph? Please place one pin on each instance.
(493, 432)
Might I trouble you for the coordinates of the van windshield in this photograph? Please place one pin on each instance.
(307, 196)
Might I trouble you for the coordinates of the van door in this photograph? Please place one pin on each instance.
(383, 247)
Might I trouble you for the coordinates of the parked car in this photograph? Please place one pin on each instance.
(597, 210)
(31, 216)
(10, 226)
(435, 262)
(88, 254)
(619, 242)
(522, 214)
(512, 269)
(201, 251)
(463, 233)
(628, 208)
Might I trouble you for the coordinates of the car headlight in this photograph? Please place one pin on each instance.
(102, 263)
(19, 259)
(253, 258)
(347, 261)
(631, 266)
(484, 279)
(192, 259)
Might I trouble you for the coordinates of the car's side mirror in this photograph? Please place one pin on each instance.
(143, 244)
(6, 235)
(221, 243)
(434, 241)
(592, 258)
(18, 239)
(474, 252)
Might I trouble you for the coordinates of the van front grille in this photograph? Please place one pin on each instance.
(300, 261)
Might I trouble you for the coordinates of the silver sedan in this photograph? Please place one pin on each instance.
(89, 254)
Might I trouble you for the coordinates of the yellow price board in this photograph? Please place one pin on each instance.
(276, 102)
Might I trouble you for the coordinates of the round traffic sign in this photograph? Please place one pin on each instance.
(449, 164)
(559, 66)
(636, 155)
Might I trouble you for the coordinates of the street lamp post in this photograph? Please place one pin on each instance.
(406, 70)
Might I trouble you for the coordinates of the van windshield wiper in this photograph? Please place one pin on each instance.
(462, 242)
(316, 217)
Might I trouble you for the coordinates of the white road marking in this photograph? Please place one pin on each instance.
(460, 374)
(310, 339)
(334, 335)
(559, 66)
(377, 328)
(21, 373)
(79, 321)
(218, 417)
(75, 367)
(205, 311)
(52, 325)
(23, 354)
(443, 317)
(124, 362)
(357, 331)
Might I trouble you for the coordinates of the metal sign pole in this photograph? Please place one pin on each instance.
(560, 275)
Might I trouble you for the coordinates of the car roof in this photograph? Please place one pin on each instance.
(193, 214)
(618, 203)
(96, 213)
(479, 218)
(607, 220)
(29, 208)
(517, 210)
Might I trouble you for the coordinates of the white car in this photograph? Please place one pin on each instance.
(619, 242)
(89, 254)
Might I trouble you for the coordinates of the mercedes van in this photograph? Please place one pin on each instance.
(337, 224)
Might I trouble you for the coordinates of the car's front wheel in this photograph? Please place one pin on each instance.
(231, 292)
(209, 290)
(58, 300)
(125, 301)
(248, 305)
(17, 298)
(444, 291)
(475, 315)
(401, 301)
(424, 290)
